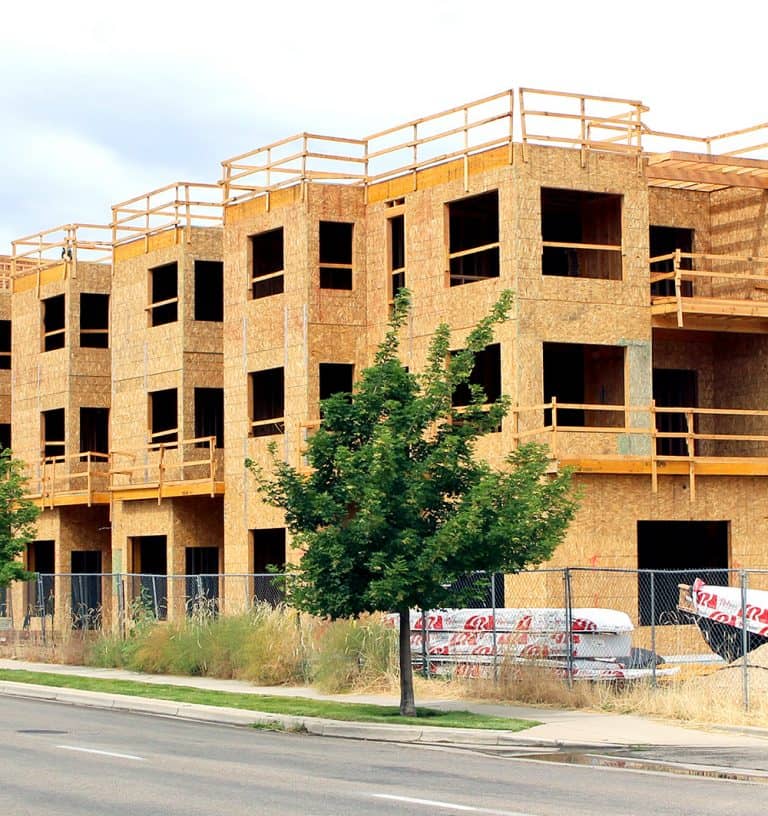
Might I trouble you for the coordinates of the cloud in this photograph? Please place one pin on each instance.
(57, 175)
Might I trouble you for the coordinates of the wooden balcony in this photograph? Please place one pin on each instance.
(710, 292)
(648, 439)
(82, 478)
(190, 467)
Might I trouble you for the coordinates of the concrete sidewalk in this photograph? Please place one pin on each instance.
(560, 729)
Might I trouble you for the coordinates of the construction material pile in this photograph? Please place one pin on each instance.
(589, 643)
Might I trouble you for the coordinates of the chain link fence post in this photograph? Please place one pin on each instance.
(41, 604)
(653, 627)
(568, 624)
(495, 641)
(744, 639)
(121, 611)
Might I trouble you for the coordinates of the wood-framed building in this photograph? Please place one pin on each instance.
(639, 261)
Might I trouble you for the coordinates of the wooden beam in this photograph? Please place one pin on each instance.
(698, 176)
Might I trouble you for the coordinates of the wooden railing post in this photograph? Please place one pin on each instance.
(678, 288)
(160, 472)
(88, 478)
(212, 463)
(466, 150)
(690, 443)
(554, 427)
(583, 117)
(654, 464)
(516, 427)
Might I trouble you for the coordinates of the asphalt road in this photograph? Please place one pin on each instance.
(65, 761)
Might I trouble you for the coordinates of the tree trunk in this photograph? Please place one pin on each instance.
(407, 702)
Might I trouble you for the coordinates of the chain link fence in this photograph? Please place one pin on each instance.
(705, 630)
(47, 604)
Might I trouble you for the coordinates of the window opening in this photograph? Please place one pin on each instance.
(583, 376)
(209, 414)
(5, 436)
(94, 320)
(396, 254)
(269, 553)
(53, 432)
(268, 549)
(581, 234)
(268, 263)
(150, 570)
(267, 402)
(39, 595)
(336, 378)
(209, 291)
(5, 344)
(486, 373)
(94, 430)
(164, 287)
(86, 589)
(336, 255)
(675, 388)
(665, 241)
(164, 416)
(473, 238)
(682, 551)
(54, 326)
(202, 571)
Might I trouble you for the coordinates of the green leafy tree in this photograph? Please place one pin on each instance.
(397, 507)
(17, 518)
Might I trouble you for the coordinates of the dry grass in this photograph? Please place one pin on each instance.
(69, 648)
(711, 698)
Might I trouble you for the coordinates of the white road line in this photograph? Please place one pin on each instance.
(448, 805)
(100, 753)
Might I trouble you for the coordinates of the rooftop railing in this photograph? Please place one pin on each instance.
(581, 120)
(406, 148)
(182, 204)
(66, 245)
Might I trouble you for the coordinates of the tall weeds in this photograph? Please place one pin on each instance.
(268, 646)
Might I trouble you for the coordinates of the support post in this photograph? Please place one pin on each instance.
(568, 624)
(653, 626)
(744, 641)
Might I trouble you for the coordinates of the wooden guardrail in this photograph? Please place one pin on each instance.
(456, 133)
(647, 421)
(160, 464)
(679, 275)
(77, 474)
(180, 205)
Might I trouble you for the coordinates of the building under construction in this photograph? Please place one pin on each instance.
(201, 322)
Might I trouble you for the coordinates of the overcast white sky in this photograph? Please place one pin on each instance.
(100, 101)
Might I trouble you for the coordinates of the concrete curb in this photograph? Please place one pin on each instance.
(313, 725)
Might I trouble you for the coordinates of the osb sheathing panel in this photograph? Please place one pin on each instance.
(64, 378)
(187, 522)
(740, 227)
(182, 355)
(294, 330)
(730, 373)
(5, 374)
(686, 209)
